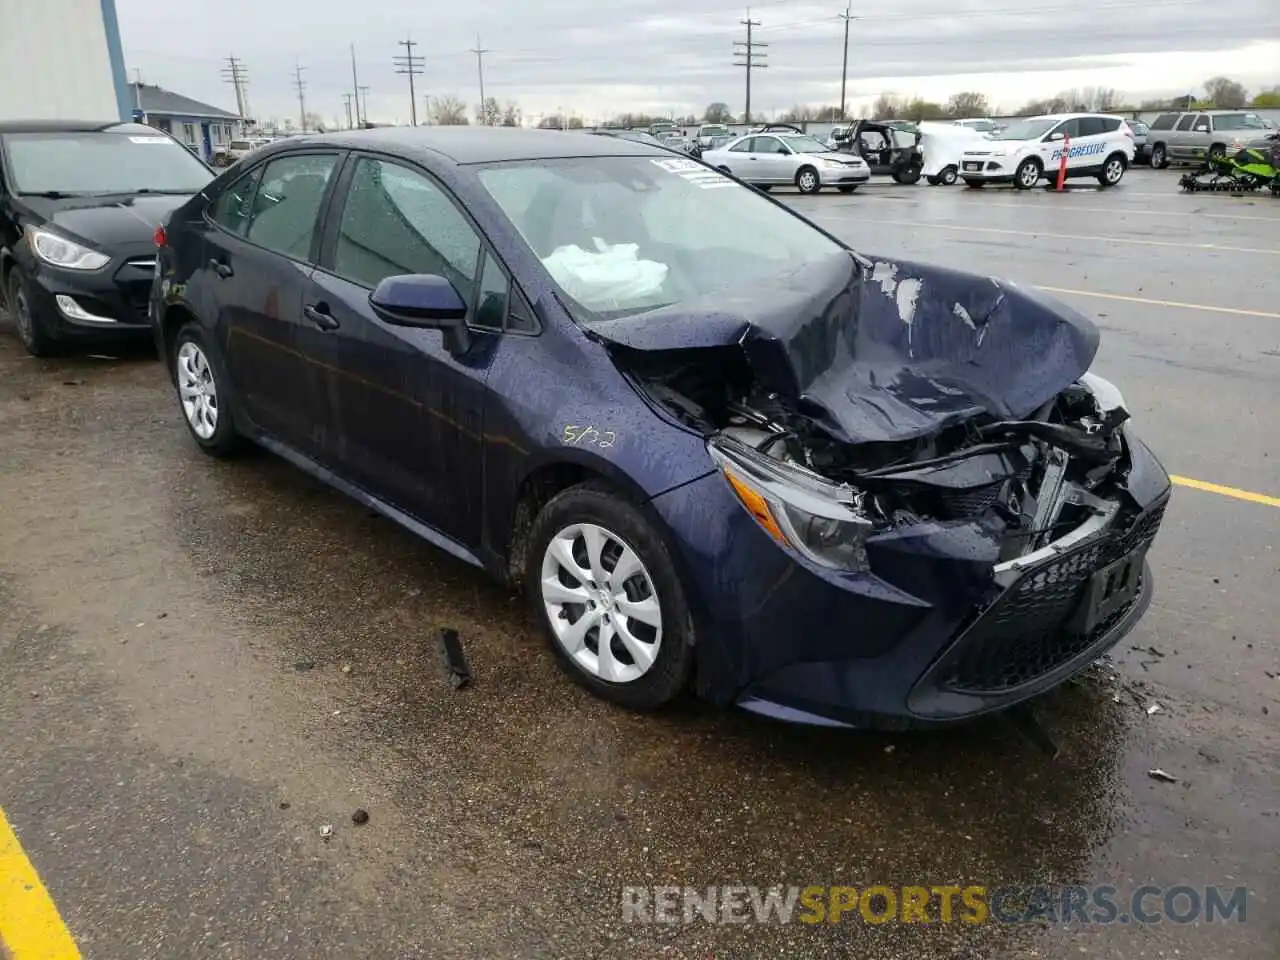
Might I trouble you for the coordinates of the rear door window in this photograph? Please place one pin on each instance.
(1092, 126)
(1186, 122)
(287, 204)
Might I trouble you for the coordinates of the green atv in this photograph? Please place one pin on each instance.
(1254, 166)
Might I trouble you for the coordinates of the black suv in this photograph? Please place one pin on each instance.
(79, 206)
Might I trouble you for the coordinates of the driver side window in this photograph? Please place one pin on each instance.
(1068, 128)
(396, 221)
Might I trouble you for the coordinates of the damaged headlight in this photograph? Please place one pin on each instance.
(796, 507)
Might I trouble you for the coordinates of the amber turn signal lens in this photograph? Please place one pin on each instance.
(757, 506)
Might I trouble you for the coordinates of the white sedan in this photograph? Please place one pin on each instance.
(772, 159)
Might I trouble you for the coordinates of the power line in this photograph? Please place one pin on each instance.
(237, 74)
(744, 55)
(302, 100)
(480, 51)
(410, 64)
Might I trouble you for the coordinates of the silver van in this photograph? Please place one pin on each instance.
(1191, 136)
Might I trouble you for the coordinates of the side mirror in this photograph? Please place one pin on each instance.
(425, 301)
(1058, 135)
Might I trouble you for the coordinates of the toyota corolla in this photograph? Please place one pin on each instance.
(716, 447)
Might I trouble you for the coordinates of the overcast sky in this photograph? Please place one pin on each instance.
(596, 59)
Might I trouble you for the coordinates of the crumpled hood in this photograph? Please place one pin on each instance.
(884, 350)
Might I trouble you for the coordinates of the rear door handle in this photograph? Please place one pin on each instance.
(318, 313)
(221, 269)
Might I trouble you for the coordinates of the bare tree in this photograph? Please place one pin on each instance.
(968, 104)
(511, 114)
(918, 110)
(717, 113)
(1226, 93)
(449, 111)
(552, 121)
(887, 107)
(489, 113)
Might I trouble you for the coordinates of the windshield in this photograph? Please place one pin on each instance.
(98, 163)
(714, 130)
(1239, 121)
(805, 144)
(623, 235)
(1027, 129)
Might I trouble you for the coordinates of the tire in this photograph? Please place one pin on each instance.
(1216, 152)
(1159, 157)
(908, 175)
(974, 184)
(1113, 169)
(596, 510)
(807, 180)
(196, 363)
(1028, 174)
(31, 329)
(848, 187)
(948, 176)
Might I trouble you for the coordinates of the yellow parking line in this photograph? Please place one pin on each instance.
(1235, 492)
(30, 927)
(1239, 311)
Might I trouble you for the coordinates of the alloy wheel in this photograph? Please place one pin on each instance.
(808, 181)
(1029, 175)
(601, 603)
(1113, 171)
(198, 390)
(22, 316)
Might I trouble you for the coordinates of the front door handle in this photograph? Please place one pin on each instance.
(318, 313)
(221, 269)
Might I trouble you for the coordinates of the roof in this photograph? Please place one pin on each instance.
(164, 102)
(468, 144)
(74, 126)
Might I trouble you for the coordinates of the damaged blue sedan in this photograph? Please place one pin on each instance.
(718, 449)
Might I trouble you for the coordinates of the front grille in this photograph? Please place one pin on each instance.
(1027, 632)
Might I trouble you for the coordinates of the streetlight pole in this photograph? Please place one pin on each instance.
(844, 66)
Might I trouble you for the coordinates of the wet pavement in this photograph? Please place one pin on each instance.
(203, 663)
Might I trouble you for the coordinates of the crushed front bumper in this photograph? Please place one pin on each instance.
(938, 631)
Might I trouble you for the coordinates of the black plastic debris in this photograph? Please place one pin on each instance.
(360, 816)
(455, 661)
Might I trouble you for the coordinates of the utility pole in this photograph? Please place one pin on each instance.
(355, 84)
(480, 51)
(137, 93)
(745, 56)
(346, 100)
(237, 75)
(364, 110)
(411, 64)
(302, 100)
(844, 66)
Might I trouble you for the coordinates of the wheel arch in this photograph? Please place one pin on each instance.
(176, 316)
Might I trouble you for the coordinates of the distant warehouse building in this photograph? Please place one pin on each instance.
(61, 60)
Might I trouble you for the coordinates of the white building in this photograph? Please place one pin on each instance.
(61, 60)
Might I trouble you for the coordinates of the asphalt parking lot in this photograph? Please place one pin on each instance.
(204, 663)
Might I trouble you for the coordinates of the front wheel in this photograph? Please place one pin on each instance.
(948, 176)
(1027, 175)
(1112, 171)
(203, 391)
(31, 327)
(807, 180)
(602, 583)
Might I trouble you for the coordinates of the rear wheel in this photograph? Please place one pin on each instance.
(807, 180)
(1027, 175)
(204, 391)
(909, 174)
(1159, 158)
(948, 176)
(605, 588)
(1112, 170)
(32, 331)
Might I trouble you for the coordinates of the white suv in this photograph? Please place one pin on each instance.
(1027, 150)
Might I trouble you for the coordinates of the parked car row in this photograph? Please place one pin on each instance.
(488, 335)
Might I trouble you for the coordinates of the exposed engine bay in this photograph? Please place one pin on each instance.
(1035, 478)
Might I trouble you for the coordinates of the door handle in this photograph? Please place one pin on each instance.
(318, 313)
(221, 269)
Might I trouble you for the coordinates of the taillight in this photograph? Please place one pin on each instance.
(161, 240)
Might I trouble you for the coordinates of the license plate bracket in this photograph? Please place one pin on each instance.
(971, 165)
(1110, 590)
